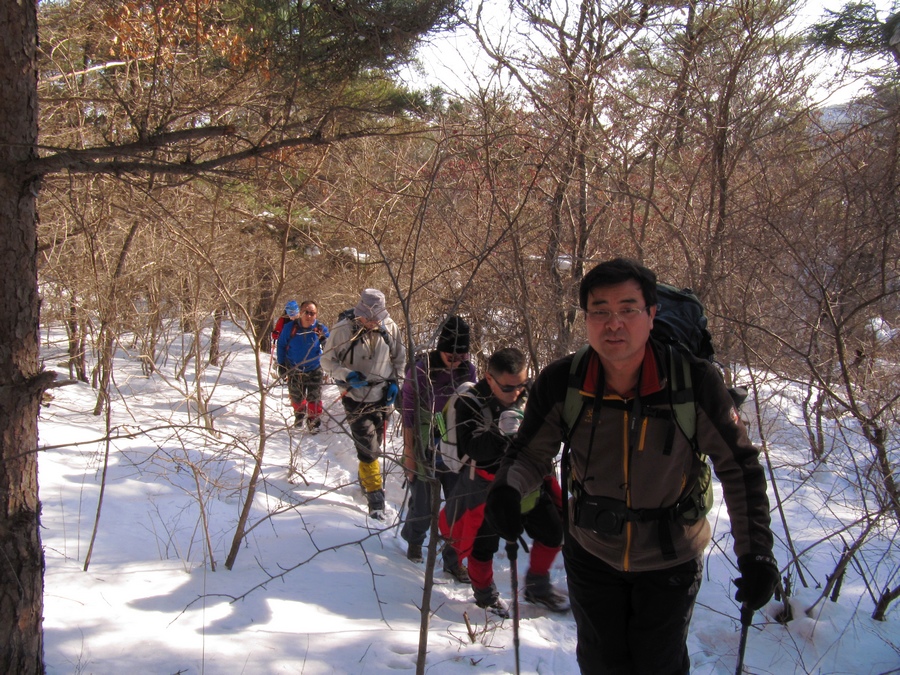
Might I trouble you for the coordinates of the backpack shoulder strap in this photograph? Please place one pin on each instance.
(359, 334)
(574, 400)
(573, 407)
(681, 386)
(446, 423)
(467, 390)
(354, 340)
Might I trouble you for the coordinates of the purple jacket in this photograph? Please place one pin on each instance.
(434, 383)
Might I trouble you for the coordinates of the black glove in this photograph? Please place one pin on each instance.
(503, 511)
(759, 577)
(282, 370)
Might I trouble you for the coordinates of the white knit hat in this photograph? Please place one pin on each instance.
(371, 305)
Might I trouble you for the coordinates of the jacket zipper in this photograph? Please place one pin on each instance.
(626, 557)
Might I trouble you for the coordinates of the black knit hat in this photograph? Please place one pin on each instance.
(454, 337)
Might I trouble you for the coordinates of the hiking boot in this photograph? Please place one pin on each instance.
(313, 424)
(414, 553)
(299, 418)
(376, 504)
(496, 607)
(459, 572)
(489, 599)
(539, 591)
(555, 602)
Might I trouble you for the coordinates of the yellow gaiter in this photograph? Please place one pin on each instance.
(370, 475)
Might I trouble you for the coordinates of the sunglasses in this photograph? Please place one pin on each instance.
(510, 388)
(456, 358)
(309, 313)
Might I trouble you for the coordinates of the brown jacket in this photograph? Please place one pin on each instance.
(650, 467)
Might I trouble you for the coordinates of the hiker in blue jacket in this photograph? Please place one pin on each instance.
(298, 351)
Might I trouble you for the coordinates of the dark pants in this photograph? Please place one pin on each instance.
(543, 524)
(418, 518)
(631, 623)
(366, 422)
(305, 390)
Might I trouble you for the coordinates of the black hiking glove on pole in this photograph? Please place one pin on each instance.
(759, 577)
(503, 511)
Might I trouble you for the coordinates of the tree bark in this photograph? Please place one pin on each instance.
(21, 379)
(262, 312)
(216, 336)
(77, 366)
(884, 602)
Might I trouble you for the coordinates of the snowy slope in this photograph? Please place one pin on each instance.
(317, 587)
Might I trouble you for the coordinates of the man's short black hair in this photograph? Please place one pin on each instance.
(617, 271)
(508, 360)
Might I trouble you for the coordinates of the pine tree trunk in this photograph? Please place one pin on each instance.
(262, 312)
(21, 381)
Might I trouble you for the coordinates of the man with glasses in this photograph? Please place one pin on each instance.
(429, 383)
(485, 420)
(298, 351)
(633, 557)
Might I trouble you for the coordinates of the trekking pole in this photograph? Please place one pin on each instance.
(511, 549)
(402, 506)
(746, 619)
(269, 369)
(384, 472)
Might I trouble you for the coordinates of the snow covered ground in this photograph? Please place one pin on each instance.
(317, 587)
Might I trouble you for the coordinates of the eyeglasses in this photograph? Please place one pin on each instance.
(309, 313)
(510, 388)
(605, 315)
(455, 358)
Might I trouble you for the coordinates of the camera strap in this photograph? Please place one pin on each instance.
(595, 420)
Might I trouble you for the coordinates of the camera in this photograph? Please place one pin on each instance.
(600, 514)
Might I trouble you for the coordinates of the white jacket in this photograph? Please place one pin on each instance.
(379, 355)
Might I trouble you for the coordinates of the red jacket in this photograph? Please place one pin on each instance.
(278, 326)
